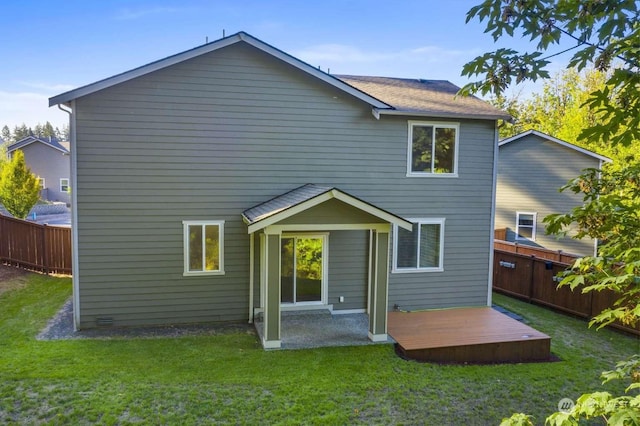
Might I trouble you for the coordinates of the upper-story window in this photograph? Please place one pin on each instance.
(433, 149)
(64, 185)
(526, 226)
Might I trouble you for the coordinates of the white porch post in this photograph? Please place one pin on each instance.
(271, 337)
(379, 279)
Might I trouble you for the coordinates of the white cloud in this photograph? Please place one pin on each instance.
(53, 88)
(29, 108)
(442, 53)
(324, 53)
(127, 14)
(431, 62)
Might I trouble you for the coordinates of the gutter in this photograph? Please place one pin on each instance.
(377, 112)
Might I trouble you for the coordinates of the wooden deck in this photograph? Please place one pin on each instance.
(467, 335)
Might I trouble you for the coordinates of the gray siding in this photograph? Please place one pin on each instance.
(348, 263)
(530, 173)
(210, 137)
(51, 165)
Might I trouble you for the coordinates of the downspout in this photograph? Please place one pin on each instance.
(493, 214)
(251, 272)
(74, 214)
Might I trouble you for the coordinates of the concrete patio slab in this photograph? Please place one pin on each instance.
(319, 328)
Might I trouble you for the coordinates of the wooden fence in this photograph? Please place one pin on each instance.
(532, 277)
(35, 247)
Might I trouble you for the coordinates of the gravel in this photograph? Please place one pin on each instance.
(60, 327)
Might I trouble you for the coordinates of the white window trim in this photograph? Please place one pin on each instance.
(533, 230)
(185, 246)
(434, 124)
(419, 221)
(61, 179)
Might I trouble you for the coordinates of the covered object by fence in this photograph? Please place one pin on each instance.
(35, 247)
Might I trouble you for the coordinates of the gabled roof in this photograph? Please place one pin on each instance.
(305, 197)
(550, 138)
(433, 98)
(48, 141)
(66, 97)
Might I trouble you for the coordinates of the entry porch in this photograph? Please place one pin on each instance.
(289, 239)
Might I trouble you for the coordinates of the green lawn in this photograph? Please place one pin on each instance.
(229, 379)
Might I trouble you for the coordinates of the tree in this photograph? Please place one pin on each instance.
(19, 188)
(41, 130)
(603, 34)
(6, 134)
(21, 132)
(611, 213)
(45, 131)
(560, 110)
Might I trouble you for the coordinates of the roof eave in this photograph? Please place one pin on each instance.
(555, 140)
(441, 114)
(66, 97)
(19, 144)
(331, 193)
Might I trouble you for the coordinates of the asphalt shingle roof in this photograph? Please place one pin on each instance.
(284, 202)
(53, 142)
(433, 97)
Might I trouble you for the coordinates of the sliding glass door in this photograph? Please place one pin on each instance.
(302, 269)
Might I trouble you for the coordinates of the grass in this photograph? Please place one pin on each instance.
(229, 379)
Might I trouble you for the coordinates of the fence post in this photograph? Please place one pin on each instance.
(531, 272)
(45, 256)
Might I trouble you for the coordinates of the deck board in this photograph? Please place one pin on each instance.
(466, 335)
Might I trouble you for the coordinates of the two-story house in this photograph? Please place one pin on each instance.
(234, 179)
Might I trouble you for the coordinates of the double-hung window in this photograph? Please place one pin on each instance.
(433, 149)
(64, 185)
(203, 247)
(420, 250)
(526, 226)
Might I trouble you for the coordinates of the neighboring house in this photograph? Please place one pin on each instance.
(532, 167)
(233, 180)
(49, 160)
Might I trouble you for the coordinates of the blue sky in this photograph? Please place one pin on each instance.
(49, 47)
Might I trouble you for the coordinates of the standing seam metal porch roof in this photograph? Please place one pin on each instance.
(282, 206)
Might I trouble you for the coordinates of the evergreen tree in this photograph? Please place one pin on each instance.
(37, 131)
(6, 134)
(65, 134)
(19, 188)
(48, 131)
(21, 132)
